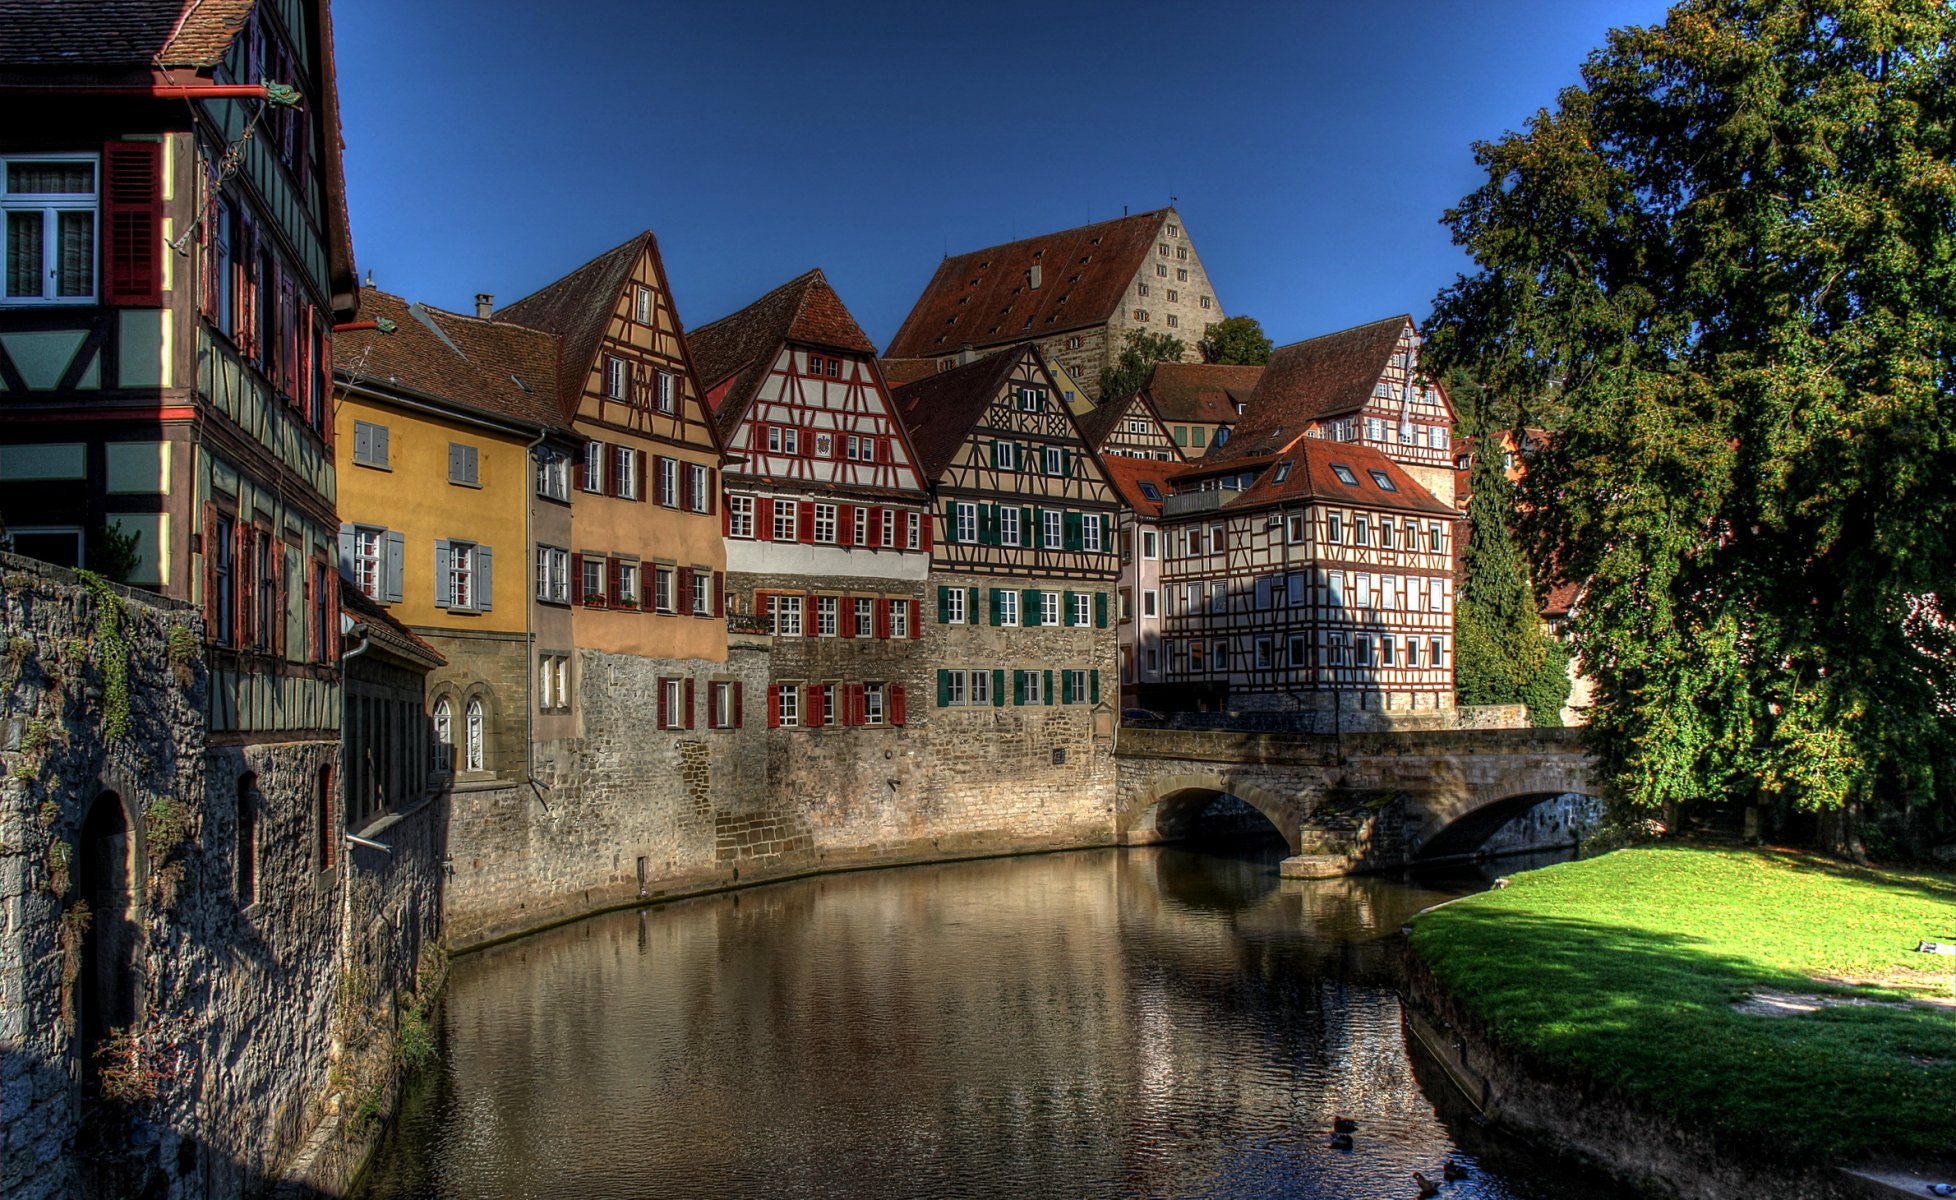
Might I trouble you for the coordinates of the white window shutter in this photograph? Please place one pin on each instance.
(394, 567)
(444, 583)
(484, 580)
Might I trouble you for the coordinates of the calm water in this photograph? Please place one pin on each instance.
(1138, 1023)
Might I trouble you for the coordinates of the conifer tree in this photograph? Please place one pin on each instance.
(1502, 655)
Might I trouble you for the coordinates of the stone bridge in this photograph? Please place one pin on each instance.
(1364, 801)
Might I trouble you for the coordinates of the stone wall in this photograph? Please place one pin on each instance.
(125, 907)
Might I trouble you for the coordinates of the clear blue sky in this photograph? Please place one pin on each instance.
(1312, 146)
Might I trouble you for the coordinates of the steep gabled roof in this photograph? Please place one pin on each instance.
(743, 345)
(1312, 475)
(899, 371)
(940, 411)
(386, 632)
(1128, 474)
(101, 33)
(578, 308)
(1323, 377)
(1097, 424)
(985, 297)
(1200, 393)
(485, 366)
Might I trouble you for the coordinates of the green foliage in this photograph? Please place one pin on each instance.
(1138, 358)
(1728, 255)
(1238, 340)
(183, 647)
(114, 554)
(166, 825)
(1639, 997)
(115, 652)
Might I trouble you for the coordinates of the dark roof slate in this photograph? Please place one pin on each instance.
(1201, 393)
(985, 298)
(103, 33)
(385, 631)
(1305, 381)
(578, 308)
(491, 367)
(805, 311)
(940, 411)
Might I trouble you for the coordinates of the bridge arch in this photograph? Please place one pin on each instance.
(1166, 808)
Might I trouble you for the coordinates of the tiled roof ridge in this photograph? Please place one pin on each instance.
(1152, 215)
(596, 259)
(801, 280)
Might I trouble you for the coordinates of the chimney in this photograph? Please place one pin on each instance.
(966, 354)
(485, 303)
(1032, 276)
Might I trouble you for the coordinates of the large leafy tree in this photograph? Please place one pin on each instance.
(1236, 340)
(1139, 354)
(1732, 250)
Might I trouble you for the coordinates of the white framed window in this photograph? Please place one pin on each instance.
(788, 704)
(914, 529)
(1082, 609)
(873, 707)
(1294, 651)
(966, 522)
(787, 521)
(369, 560)
(553, 574)
(1433, 651)
(1049, 608)
(674, 694)
(1035, 686)
(1262, 651)
(1150, 544)
(702, 488)
(825, 523)
(1218, 596)
(783, 439)
(594, 466)
(624, 472)
(859, 533)
(473, 737)
(1148, 603)
(628, 583)
(1412, 652)
(828, 616)
(1008, 525)
(49, 205)
(740, 516)
(668, 470)
(1362, 650)
(787, 611)
(1433, 537)
(955, 688)
(1090, 532)
(1078, 689)
(552, 473)
(1029, 399)
(442, 744)
(1388, 534)
(981, 687)
(1052, 528)
(955, 610)
(668, 391)
(702, 597)
(1005, 456)
(642, 304)
(1334, 528)
(1055, 460)
(720, 704)
(664, 582)
(1006, 601)
(1335, 647)
(1192, 594)
(865, 616)
(462, 575)
(899, 618)
(617, 378)
(1364, 590)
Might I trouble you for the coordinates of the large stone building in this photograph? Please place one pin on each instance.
(1075, 294)
(1019, 623)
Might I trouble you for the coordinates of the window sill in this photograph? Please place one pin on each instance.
(464, 484)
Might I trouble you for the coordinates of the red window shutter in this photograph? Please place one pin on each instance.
(685, 485)
(577, 579)
(857, 709)
(719, 594)
(712, 490)
(896, 704)
(930, 529)
(739, 716)
(726, 523)
(817, 697)
(764, 519)
(665, 712)
(646, 579)
(845, 527)
(244, 581)
(577, 473)
(774, 706)
(807, 530)
(644, 484)
(132, 223)
(847, 625)
(917, 619)
(615, 573)
(689, 704)
(882, 618)
(682, 590)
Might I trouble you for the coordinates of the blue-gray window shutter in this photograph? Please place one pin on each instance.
(455, 472)
(380, 445)
(485, 580)
(444, 585)
(394, 567)
(363, 442)
(346, 551)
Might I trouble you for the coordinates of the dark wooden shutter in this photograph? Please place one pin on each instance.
(764, 518)
(774, 706)
(998, 687)
(682, 590)
(577, 579)
(689, 704)
(883, 618)
(719, 594)
(897, 714)
(132, 223)
(739, 714)
(665, 715)
(845, 524)
(807, 531)
(685, 485)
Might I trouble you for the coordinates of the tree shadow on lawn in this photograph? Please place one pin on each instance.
(1922, 881)
(1650, 1014)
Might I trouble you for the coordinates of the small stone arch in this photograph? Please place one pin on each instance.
(1181, 797)
(108, 878)
(1465, 831)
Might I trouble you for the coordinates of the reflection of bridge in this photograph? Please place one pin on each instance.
(1365, 801)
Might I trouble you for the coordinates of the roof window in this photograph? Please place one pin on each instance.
(1150, 491)
(1382, 479)
(1282, 473)
(1344, 474)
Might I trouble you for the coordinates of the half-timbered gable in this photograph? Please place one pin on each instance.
(1129, 428)
(1142, 484)
(1200, 402)
(1318, 575)
(1076, 294)
(826, 516)
(647, 571)
(1359, 385)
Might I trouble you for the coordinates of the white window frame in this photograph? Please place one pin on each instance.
(552, 473)
(828, 616)
(1035, 686)
(1053, 461)
(787, 612)
(824, 531)
(1052, 528)
(1090, 525)
(966, 517)
(979, 687)
(624, 466)
(442, 744)
(594, 466)
(702, 485)
(553, 574)
(914, 530)
(740, 517)
(675, 706)
(787, 521)
(628, 584)
(702, 597)
(956, 606)
(48, 205)
(1049, 608)
(787, 705)
(1082, 610)
(957, 688)
(668, 469)
(665, 582)
(473, 735)
(873, 706)
(1007, 600)
(617, 378)
(1148, 603)
(899, 619)
(1008, 525)
(668, 391)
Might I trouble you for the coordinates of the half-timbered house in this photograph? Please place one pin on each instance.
(1200, 402)
(1129, 427)
(1142, 484)
(1318, 577)
(1076, 294)
(826, 516)
(1019, 618)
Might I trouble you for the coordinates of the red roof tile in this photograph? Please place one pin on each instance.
(805, 311)
(899, 371)
(1204, 393)
(986, 298)
(487, 366)
(1312, 476)
(1128, 474)
(385, 631)
(1305, 381)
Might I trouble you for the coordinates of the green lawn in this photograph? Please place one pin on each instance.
(1625, 968)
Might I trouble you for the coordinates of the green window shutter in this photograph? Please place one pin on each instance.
(1100, 610)
(1029, 608)
(1066, 463)
(943, 605)
(1066, 687)
(943, 688)
(1028, 522)
(1018, 687)
(971, 606)
(998, 687)
(1048, 692)
(1071, 524)
(1095, 682)
(1066, 609)
(994, 615)
(988, 524)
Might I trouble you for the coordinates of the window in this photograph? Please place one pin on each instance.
(1054, 461)
(49, 203)
(1148, 602)
(1218, 596)
(1337, 650)
(1162, 249)
(787, 703)
(980, 687)
(787, 612)
(1282, 472)
(1412, 652)
(1141, 289)
(967, 522)
(1081, 687)
(553, 473)
(1334, 527)
(1361, 530)
(740, 516)
(1433, 651)
(955, 687)
(628, 583)
(1219, 655)
(1029, 399)
(859, 534)
(672, 703)
(1082, 609)
(668, 481)
(1362, 651)
(1051, 528)
(1386, 534)
(668, 391)
(462, 467)
(1150, 544)
(899, 618)
(1049, 608)
(368, 565)
(642, 304)
(1174, 322)
(617, 378)
(624, 473)
(1205, 302)
(1433, 537)
(872, 703)
(828, 616)
(462, 576)
(702, 597)
(1383, 480)
(1173, 294)
(825, 523)
(1008, 525)
(1090, 533)
(1364, 589)
(1005, 606)
(1344, 474)
(1161, 270)
(787, 521)
(914, 537)
(783, 439)
(472, 752)
(701, 499)
(1181, 252)
(592, 569)
(722, 704)
(594, 466)
(1140, 314)
(865, 617)
(370, 444)
(553, 574)
(1174, 231)
(1005, 456)
(1263, 648)
(553, 682)
(664, 589)
(1294, 588)
(953, 601)
(1032, 685)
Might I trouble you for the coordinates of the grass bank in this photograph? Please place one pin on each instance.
(1632, 969)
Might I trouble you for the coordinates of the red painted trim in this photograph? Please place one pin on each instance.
(161, 91)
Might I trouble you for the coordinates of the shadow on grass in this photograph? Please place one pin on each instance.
(1931, 885)
(1651, 1015)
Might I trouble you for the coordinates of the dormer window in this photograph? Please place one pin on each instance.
(1151, 491)
(1344, 474)
(1282, 472)
(1382, 479)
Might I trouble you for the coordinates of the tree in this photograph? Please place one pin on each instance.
(1238, 340)
(1138, 358)
(1502, 655)
(1730, 248)
(113, 553)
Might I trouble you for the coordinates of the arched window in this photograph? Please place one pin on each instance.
(105, 879)
(444, 740)
(247, 875)
(472, 730)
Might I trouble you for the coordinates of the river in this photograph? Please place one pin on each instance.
(1137, 1023)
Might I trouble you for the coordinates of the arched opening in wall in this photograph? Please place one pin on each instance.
(245, 883)
(325, 823)
(1211, 817)
(106, 991)
(1532, 822)
(473, 754)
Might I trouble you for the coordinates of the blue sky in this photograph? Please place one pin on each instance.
(1311, 146)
